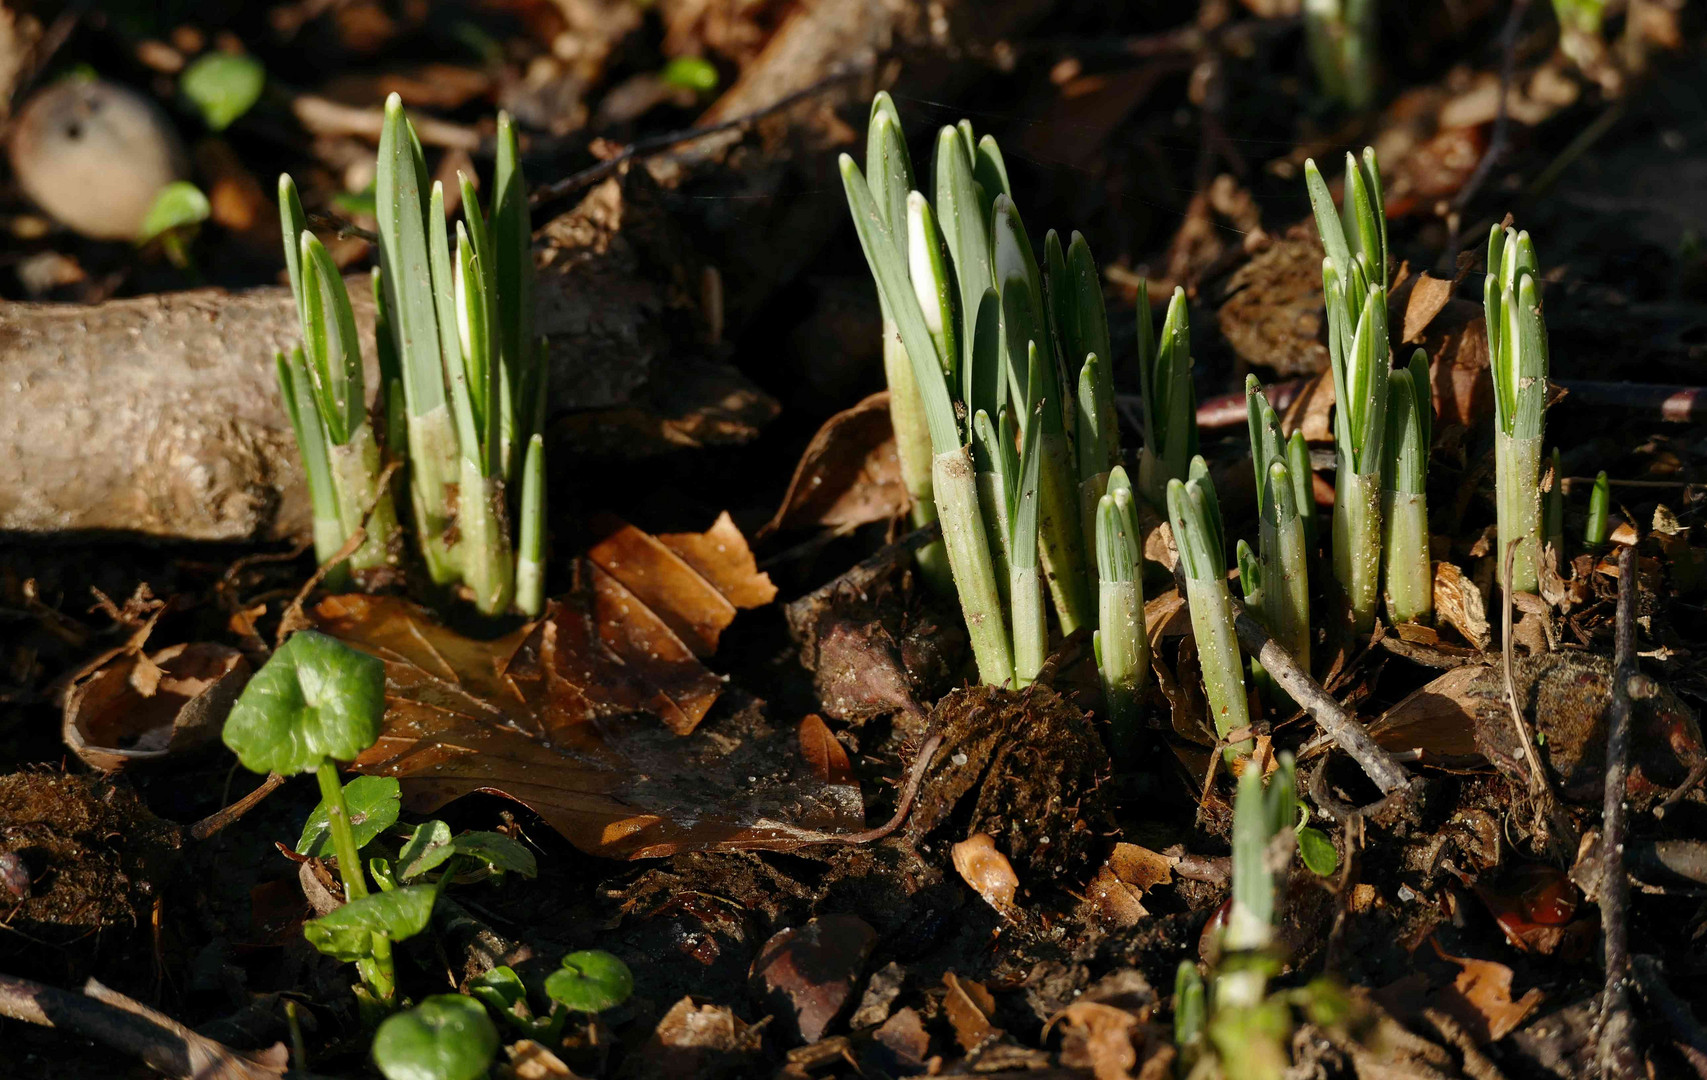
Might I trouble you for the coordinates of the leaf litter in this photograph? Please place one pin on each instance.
(590, 715)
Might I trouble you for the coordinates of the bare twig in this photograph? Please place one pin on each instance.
(1651, 981)
(133, 1028)
(1500, 139)
(1617, 1054)
(219, 819)
(1538, 785)
(322, 116)
(1339, 725)
(657, 144)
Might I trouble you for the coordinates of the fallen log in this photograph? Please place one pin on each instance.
(160, 415)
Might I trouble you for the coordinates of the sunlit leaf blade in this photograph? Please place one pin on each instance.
(317, 698)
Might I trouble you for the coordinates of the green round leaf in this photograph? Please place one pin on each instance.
(317, 698)
(1318, 852)
(501, 989)
(691, 73)
(590, 981)
(222, 86)
(346, 933)
(373, 803)
(446, 1037)
(179, 204)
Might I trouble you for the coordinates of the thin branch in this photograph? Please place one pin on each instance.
(219, 819)
(1500, 140)
(130, 1027)
(643, 148)
(1339, 725)
(1617, 1055)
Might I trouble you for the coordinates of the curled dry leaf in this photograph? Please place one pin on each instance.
(1459, 604)
(588, 715)
(806, 975)
(987, 871)
(1102, 1038)
(849, 474)
(1117, 891)
(1480, 998)
(697, 1040)
(1416, 301)
(969, 1007)
(140, 708)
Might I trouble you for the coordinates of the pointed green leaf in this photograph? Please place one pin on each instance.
(372, 802)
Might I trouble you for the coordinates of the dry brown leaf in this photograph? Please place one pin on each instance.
(1459, 603)
(1117, 891)
(141, 708)
(1439, 719)
(1418, 300)
(969, 1007)
(986, 870)
(587, 716)
(848, 475)
(1101, 1038)
(532, 1061)
(1480, 997)
(825, 755)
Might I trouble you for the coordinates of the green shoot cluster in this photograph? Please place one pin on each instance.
(462, 380)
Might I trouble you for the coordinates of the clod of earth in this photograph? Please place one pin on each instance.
(96, 857)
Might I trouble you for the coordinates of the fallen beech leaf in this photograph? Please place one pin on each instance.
(807, 973)
(1456, 340)
(1438, 719)
(848, 475)
(1166, 616)
(1480, 998)
(986, 870)
(692, 583)
(1459, 603)
(563, 715)
(826, 756)
(142, 708)
(969, 1007)
(1311, 410)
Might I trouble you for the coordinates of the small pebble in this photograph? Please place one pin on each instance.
(14, 876)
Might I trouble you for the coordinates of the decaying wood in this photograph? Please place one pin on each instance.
(131, 1027)
(160, 415)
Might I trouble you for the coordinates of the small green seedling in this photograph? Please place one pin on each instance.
(1170, 398)
(1121, 641)
(1280, 593)
(1233, 1027)
(222, 86)
(1354, 284)
(318, 702)
(1341, 38)
(1598, 527)
(1195, 516)
(446, 1037)
(503, 991)
(1407, 569)
(1517, 344)
(590, 981)
(173, 218)
(690, 73)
